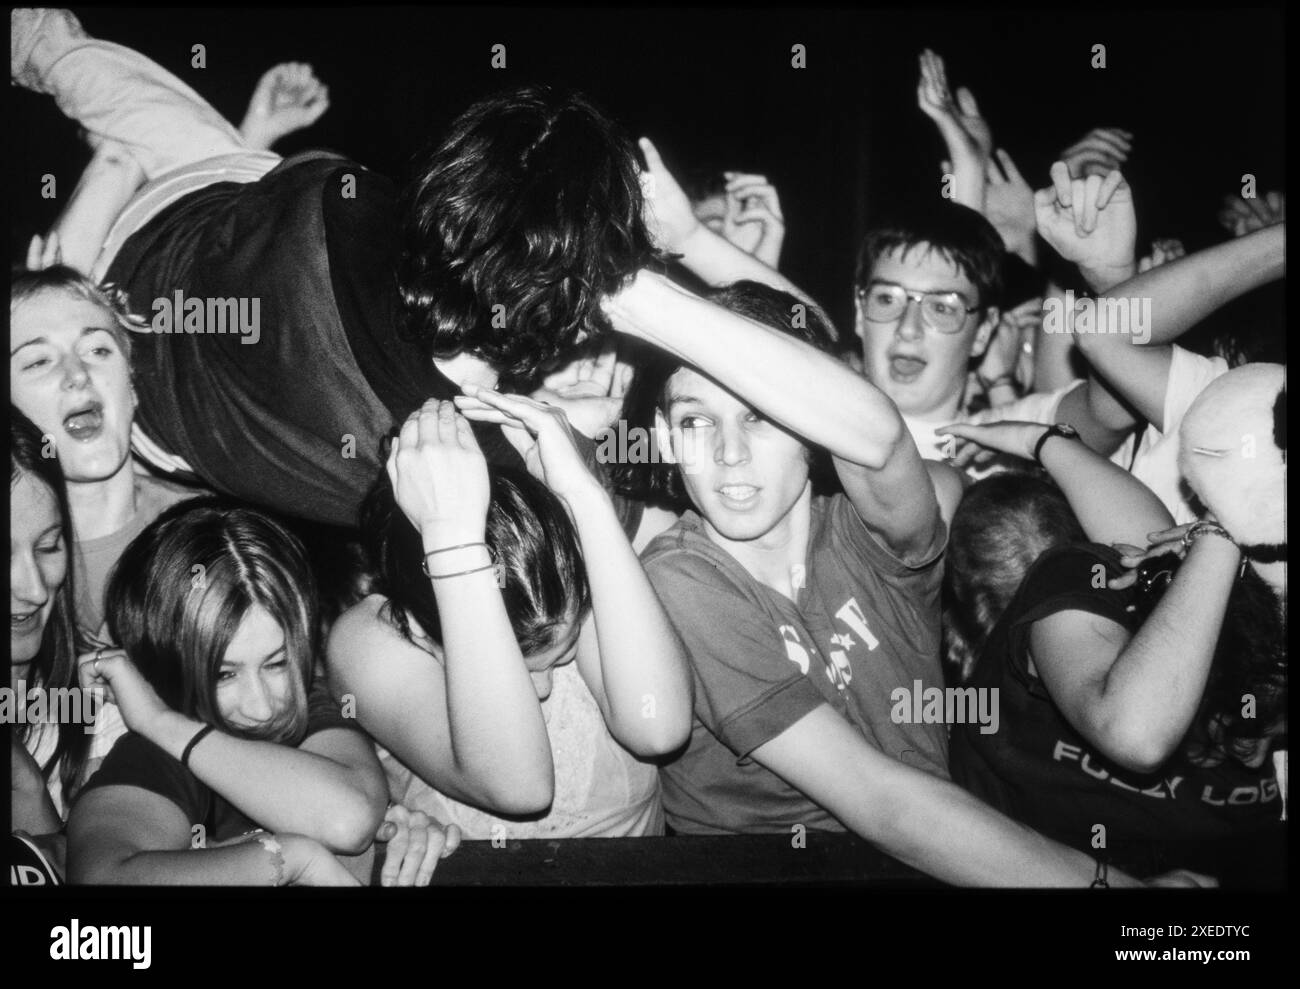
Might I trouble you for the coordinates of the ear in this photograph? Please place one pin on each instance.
(985, 332)
(664, 439)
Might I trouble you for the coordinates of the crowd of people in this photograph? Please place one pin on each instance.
(533, 500)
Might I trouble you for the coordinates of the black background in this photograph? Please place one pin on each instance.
(1201, 90)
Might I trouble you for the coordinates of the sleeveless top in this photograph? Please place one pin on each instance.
(601, 790)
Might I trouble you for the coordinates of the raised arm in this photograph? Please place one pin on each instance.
(1181, 293)
(628, 652)
(471, 726)
(1111, 504)
(709, 255)
(808, 392)
(1135, 698)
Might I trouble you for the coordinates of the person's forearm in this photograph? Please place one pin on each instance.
(1111, 504)
(498, 734)
(808, 392)
(944, 831)
(249, 863)
(717, 261)
(1154, 688)
(105, 188)
(281, 787)
(1184, 291)
(643, 667)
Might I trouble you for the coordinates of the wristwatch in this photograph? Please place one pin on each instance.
(1061, 429)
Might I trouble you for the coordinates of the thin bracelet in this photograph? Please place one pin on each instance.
(199, 735)
(448, 549)
(269, 842)
(424, 564)
(461, 573)
(1099, 882)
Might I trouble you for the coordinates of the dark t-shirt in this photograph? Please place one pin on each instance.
(293, 421)
(1042, 772)
(136, 761)
(864, 624)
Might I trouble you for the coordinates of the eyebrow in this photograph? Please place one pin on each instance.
(683, 400)
(225, 664)
(85, 331)
(932, 291)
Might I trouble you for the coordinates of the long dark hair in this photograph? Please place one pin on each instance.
(55, 665)
(515, 225)
(530, 533)
(181, 589)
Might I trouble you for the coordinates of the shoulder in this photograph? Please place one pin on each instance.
(684, 556)
(1071, 578)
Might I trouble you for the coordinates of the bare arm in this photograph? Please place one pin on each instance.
(927, 822)
(1134, 698)
(131, 836)
(403, 699)
(629, 653)
(331, 788)
(808, 392)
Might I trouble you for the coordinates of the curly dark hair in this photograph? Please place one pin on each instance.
(515, 225)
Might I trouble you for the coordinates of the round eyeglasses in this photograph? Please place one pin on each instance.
(944, 312)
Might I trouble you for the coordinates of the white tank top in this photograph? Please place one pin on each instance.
(601, 790)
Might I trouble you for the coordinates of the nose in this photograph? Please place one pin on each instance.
(26, 588)
(732, 445)
(910, 324)
(255, 701)
(75, 374)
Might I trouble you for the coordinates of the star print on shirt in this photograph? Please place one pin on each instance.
(845, 640)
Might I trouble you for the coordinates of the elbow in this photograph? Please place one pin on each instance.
(657, 738)
(351, 829)
(534, 797)
(1136, 748)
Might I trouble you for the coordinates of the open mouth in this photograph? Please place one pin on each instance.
(23, 622)
(86, 422)
(906, 369)
(738, 495)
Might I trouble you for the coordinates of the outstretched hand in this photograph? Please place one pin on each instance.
(589, 389)
(980, 444)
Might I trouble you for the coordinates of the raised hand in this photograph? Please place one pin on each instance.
(1007, 353)
(1100, 151)
(589, 389)
(542, 435)
(1009, 205)
(416, 843)
(288, 98)
(668, 209)
(1242, 216)
(439, 476)
(753, 219)
(1091, 223)
(966, 133)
